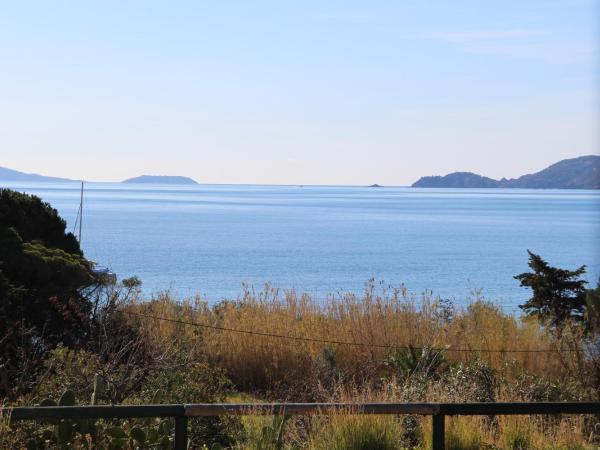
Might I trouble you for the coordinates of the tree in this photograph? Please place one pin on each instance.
(42, 274)
(559, 295)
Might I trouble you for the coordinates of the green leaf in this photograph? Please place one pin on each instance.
(67, 399)
(165, 443)
(138, 435)
(119, 443)
(48, 402)
(116, 432)
(152, 435)
(164, 428)
(268, 434)
(158, 396)
(64, 432)
(99, 388)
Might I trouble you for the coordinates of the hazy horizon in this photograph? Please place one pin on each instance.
(342, 93)
(233, 183)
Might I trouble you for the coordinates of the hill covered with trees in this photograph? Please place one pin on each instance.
(575, 173)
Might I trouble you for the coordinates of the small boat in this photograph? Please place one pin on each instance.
(103, 275)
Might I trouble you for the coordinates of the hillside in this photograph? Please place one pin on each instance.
(160, 179)
(575, 173)
(457, 180)
(14, 175)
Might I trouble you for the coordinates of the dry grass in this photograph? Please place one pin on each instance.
(376, 320)
(7, 438)
(286, 369)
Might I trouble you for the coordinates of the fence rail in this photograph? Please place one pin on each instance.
(181, 413)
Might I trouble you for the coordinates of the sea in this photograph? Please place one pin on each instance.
(218, 241)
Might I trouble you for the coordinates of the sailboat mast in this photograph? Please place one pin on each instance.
(80, 212)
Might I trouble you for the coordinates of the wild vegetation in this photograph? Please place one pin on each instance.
(384, 345)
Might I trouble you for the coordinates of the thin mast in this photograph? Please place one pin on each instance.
(80, 212)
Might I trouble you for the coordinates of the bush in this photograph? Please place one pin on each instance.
(67, 369)
(42, 274)
(474, 381)
(195, 383)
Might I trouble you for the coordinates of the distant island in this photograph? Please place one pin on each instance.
(575, 173)
(14, 175)
(160, 179)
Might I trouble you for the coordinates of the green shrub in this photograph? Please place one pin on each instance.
(473, 381)
(67, 369)
(196, 383)
(98, 434)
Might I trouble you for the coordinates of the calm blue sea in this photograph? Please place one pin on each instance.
(209, 239)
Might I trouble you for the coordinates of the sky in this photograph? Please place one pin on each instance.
(288, 92)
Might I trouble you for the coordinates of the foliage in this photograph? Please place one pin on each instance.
(473, 381)
(125, 355)
(99, 434)
(192, 383)
(425, 362)
(42, 272)
(558, 294)
(261, 435)
(72, 370)
(173, 362)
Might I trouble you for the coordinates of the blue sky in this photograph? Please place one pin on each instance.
(312, 92)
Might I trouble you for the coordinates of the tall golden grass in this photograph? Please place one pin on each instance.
(376, 321)
(276, 368)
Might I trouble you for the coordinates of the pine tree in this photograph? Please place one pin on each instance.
(559, 295)
(42, 274)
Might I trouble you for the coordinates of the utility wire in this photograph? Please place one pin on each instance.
(336, 342)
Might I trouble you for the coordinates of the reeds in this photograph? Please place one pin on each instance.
(355, 336)
(385, 345)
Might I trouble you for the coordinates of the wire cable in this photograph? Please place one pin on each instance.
(349, 343)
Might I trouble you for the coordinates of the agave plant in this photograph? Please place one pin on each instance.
(425, 362)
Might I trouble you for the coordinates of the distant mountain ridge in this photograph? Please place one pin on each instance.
(576, 173)
(14, 175)
(160, 179)
(7, 174)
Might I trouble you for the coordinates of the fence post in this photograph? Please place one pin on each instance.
(438, 432)
(181, 433)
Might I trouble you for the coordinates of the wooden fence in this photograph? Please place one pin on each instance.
(181, 413)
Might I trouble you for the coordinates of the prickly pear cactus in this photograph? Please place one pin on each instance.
(134, 434)
(99, 388)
